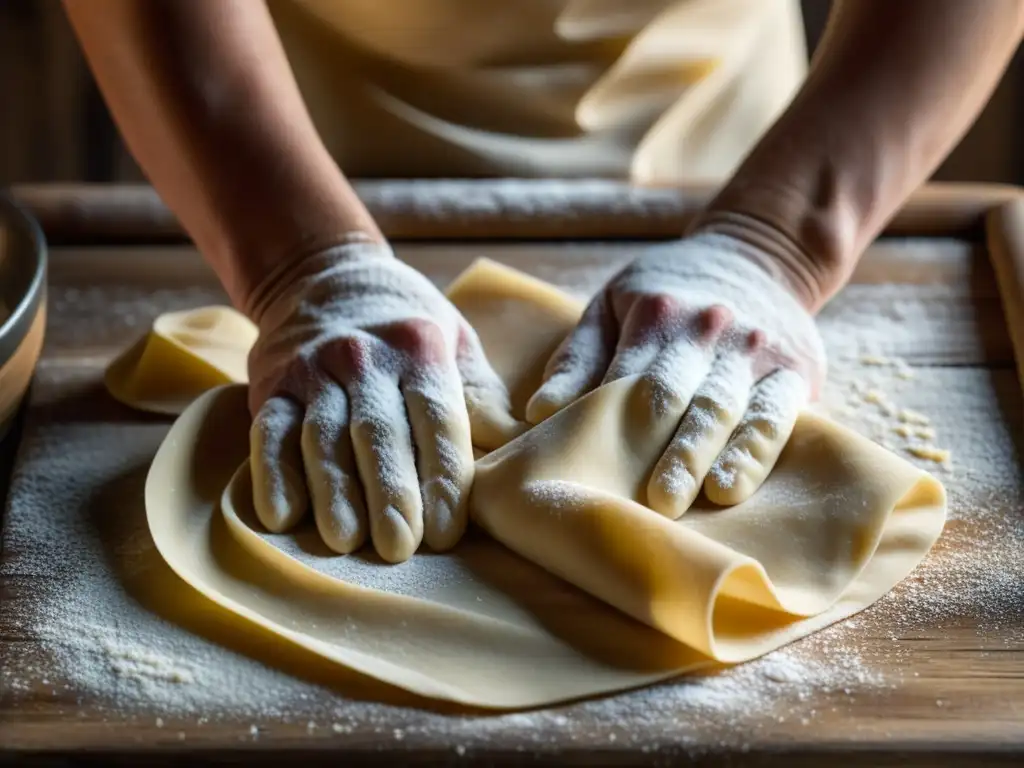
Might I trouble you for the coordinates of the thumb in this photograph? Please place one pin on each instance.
(491, 421)
(578, 365)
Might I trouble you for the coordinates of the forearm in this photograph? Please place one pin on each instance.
(206, 101)
(893, 87)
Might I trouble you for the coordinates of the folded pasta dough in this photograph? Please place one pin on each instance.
(819, 537)
(838, 523)
(185, 354)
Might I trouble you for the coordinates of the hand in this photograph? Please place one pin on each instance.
(724, 349)
(365, 382)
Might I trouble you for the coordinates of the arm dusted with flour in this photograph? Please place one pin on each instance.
(718, 327)
(893, 87)
(365, 380)
(206, 101)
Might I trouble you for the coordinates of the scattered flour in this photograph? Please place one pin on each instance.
(77, 543)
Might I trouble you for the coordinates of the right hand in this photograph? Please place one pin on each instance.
(364, 385)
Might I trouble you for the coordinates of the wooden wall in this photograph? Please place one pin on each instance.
(54, 127)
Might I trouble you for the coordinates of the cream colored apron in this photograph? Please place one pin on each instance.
(658, 91)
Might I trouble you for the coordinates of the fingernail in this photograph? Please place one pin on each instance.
(726, 483)
(444, 526)
(392, 535)
(672, 492)
(541, 406)
(343, 531)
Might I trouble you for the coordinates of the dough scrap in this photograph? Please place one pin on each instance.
(185, 354)
(604, 594)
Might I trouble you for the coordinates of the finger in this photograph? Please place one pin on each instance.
(487, 400)
(278, 485)
(763, 432)
(578, 364)
(382, 443)
(674, 377)
(650, 323)
(331, 476)
(713, 414)
(444, 449)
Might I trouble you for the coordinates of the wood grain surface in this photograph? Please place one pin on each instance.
(949, 690)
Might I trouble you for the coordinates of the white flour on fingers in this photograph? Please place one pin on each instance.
(378, 411)
(703, 431)
(576, 367)
(767, 424)
(675, 375)
(279, 489)
(441, 430)
(711, 270)
(374, 324)
(748, 320)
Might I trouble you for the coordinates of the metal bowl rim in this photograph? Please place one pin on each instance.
(15, 327)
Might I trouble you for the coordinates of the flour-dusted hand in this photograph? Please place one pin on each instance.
(723, 349)
(365, 382)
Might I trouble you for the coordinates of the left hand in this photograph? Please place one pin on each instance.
(726, 349)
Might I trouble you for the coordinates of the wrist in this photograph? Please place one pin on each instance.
(308, 260)
(808, 247)
(297, 205)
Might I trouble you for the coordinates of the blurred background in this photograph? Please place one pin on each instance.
(54, 126)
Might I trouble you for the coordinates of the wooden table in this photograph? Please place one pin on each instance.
(943, 658)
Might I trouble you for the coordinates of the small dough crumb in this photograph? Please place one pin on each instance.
(908, 416)
(876, 360)
(874, 396)
(904, 431)
(931, 453)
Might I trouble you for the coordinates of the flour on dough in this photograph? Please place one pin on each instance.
(569, 585)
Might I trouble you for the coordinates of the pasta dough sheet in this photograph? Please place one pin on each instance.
(569, 586)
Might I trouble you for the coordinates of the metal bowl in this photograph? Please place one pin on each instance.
(22, 305)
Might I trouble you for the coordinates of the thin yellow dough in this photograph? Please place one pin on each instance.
(569, 586)
(185, 354)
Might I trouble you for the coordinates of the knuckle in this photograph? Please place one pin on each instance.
(373, 426)
(297, 378)
(657, 309)
(350, 357)
(321, 430)
(661, 395)
(420, 338)
(708, 414)
(303, 376)
(713, 321)
(756, 340)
